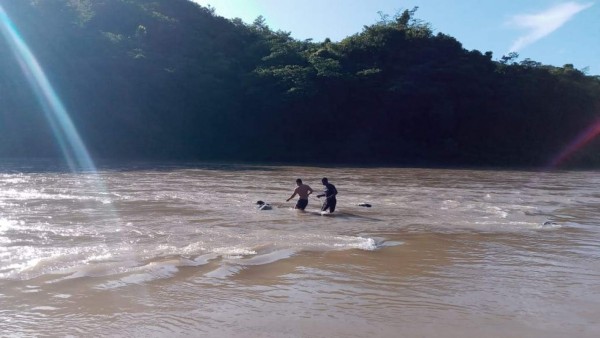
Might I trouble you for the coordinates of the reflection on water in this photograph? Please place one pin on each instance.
(182, 250)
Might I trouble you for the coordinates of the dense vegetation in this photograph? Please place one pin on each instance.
(168, 79)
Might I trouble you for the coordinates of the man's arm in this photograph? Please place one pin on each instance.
(294, 194)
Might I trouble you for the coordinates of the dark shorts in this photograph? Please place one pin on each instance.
(301, 204)
(329, 204)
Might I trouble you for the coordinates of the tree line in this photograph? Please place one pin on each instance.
(170, 79)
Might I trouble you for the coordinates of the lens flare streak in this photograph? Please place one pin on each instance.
(581, 141)
(68, 138)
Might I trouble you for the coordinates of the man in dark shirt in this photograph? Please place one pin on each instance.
(329, 193)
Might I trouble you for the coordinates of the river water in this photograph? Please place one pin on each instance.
(143, 250)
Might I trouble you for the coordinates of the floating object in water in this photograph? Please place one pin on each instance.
(550, 223)
(366, 205)
(263, 206)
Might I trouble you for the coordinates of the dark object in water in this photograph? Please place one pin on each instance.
(549, 223)
(366, 205)
(263, 206)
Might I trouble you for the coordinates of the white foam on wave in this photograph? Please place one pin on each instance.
(99, 257)
(31, 289)
(234, 252)
(389, 244)
(497, 211)
(149, 272)
(515, 225)
(14, 178)
(268, 258)
(9, 224)
(42, 229)
(19, 266)
(23, 266)
(202, 260)
(235, 259)
(45, 308)
(123, 265)
(34, 194)
(193, 248)
(361, 243)
(449, 204)
(234, 265)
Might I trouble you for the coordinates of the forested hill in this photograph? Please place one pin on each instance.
(168, 79)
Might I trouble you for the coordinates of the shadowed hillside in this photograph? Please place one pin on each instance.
(168, 79)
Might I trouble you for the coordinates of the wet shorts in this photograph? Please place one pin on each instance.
(301, 204)
(329, 204)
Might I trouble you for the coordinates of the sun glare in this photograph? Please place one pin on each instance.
(577, 144)
(66, 134)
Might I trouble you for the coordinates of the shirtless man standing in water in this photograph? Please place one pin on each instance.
(303, 190)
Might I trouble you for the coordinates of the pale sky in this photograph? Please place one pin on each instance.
(553, 32)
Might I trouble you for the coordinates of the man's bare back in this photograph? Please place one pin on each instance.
(303, 191)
